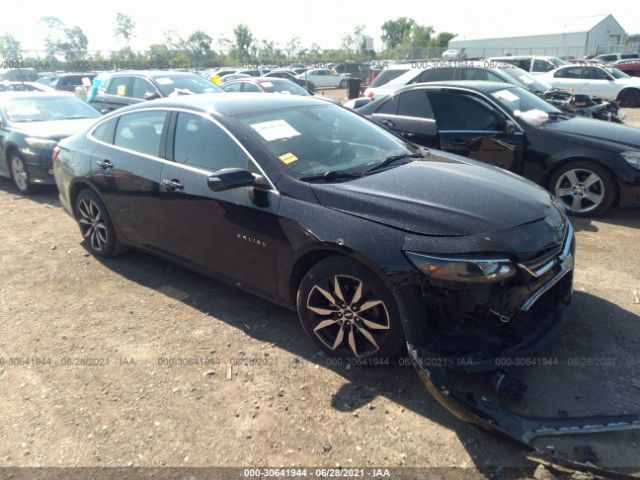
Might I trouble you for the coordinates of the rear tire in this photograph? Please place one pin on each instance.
(343, 84)
(584, 188)
(630, 97)
(348, 312)
(20, 174)
(96, 225)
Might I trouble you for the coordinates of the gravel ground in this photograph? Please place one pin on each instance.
(97, 365)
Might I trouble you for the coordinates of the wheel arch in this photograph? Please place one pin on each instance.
(307, 260)
(626, 90)
(581, 158)
(8, 151)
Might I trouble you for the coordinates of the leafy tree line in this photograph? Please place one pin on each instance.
(66, 47)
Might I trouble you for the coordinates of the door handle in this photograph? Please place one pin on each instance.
(458, 142)
(388, 123)
(105, 164)
(173, 185)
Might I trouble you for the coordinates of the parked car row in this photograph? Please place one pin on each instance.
(497, 71)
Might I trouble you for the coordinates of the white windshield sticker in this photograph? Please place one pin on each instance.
(23, 111)
(506, 95)
(275, 130)
(526, 80)
(267, 84)
(535, 116)
(164, 81)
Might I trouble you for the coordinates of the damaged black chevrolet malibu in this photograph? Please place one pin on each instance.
(374, 241)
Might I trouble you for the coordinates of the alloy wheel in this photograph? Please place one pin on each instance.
(20, 175)
(92, 224)
(348, 316)
(580, 190)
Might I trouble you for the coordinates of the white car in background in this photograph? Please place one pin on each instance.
(454, 53)
(597, 81)
(324, 77)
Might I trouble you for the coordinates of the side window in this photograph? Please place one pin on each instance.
(459, 111)
(119, 86)
(415, 103)
(251, 87)
(389, 107)
(542, 66)
(104, 132)
(569, 72)
(594, 73)
(201, 143)
(233, 87)
(140, 132)
(437, 74)
(140, 86)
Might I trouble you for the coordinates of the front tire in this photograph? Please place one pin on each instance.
(584, 188)
(629, 97)
(96, 225)
(20, 175)
(348, 312)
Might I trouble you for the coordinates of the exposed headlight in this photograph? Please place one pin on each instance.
(632, 158)
(36, 142)
(463, 270)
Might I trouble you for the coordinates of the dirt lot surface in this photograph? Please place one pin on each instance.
(97, 365)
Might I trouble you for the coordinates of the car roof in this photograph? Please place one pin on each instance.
(479, 86)
(230, 103)
(258, 80)
(153, 73)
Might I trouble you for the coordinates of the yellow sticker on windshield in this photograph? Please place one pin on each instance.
(288, 158)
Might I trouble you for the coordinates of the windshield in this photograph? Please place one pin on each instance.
(283, 86)
(523, 104)
(45, 109)
(617, 73)
(185, 85)
(524, 79)
(558, 62)
(314, 140)
(387, 75)
(403, 79)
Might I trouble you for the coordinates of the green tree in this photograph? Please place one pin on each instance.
(243, 42)
(10, 48)
(394, 32)
(442, 39)
(124, 28)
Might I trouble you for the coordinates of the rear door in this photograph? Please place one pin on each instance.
(231, 233)
(126, 170)
(569, 78)
(472, 126)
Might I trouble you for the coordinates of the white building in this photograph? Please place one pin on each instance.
(576, 37)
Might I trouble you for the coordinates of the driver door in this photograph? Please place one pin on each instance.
(232, 233)
(471, 126)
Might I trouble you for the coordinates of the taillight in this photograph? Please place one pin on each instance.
(54, 154)
(368, 93)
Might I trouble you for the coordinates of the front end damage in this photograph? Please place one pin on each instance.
(482, 329)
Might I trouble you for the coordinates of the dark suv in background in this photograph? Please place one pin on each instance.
(131, 87)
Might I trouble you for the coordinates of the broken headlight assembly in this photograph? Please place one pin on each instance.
(463, 270)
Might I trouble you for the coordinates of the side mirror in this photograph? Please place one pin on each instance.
(229, 178)
(510, 127)
(150, 95)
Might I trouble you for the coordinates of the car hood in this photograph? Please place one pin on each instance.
(54, 130)
(580, 127)
(629, 81)
(442, 195)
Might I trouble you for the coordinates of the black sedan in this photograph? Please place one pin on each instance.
(31, 124)
(290, 75)
(586, 163)
(130, 87)
(372, 240)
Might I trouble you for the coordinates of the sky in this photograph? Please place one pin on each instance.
(324, 23)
